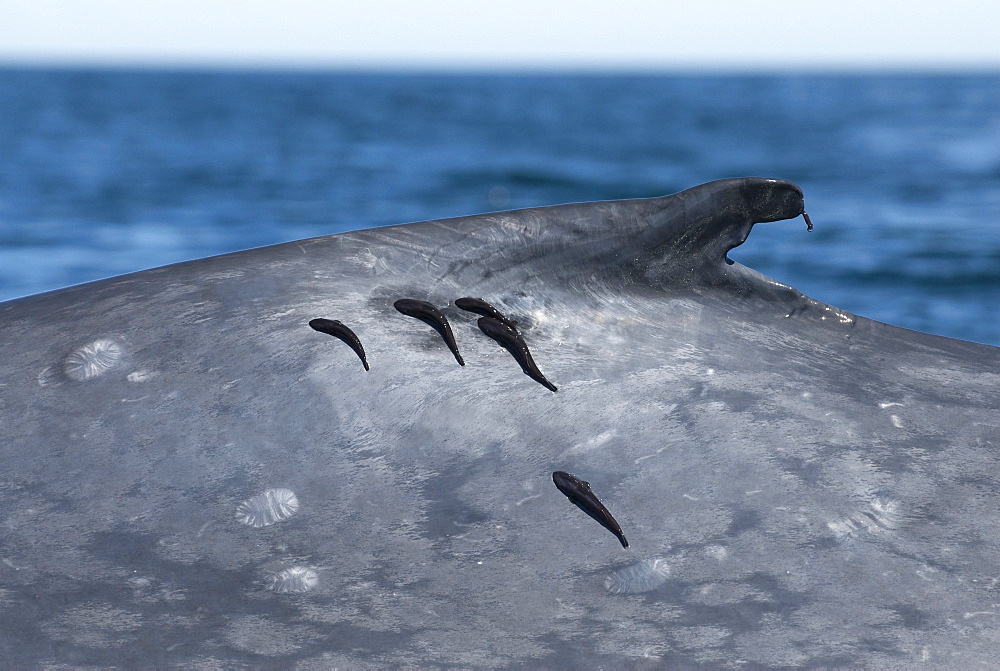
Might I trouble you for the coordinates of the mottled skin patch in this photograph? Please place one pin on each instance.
(644, 576)
(273, 505)
(93, 359)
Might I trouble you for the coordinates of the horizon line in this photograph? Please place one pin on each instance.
(497, 67)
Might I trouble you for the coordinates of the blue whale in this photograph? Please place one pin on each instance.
(193, 476)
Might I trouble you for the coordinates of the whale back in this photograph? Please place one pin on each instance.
(193, 476)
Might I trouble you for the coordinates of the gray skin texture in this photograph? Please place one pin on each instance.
(819, 488)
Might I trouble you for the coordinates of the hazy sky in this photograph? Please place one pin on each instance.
(507, 33)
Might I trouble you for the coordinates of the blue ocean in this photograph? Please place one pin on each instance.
(105, 172)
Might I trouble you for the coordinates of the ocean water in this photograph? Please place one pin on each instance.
(104, 172)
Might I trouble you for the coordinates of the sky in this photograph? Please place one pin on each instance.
(505, 34)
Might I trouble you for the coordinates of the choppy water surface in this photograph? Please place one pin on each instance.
(105, 172)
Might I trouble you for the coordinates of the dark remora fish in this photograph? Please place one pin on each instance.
(338, 330)
(578, 491)
(481, 307)
(434, 318)
(514, 343)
